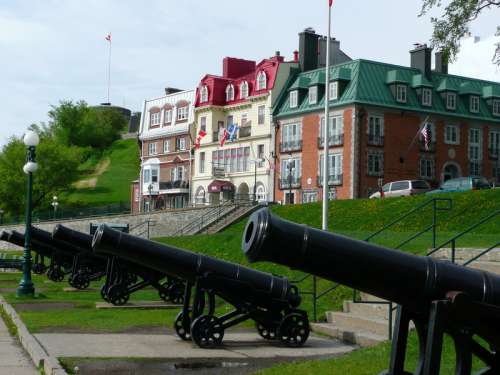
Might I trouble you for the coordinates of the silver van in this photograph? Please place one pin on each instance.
(403, 188)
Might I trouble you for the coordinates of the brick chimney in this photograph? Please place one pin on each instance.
(421, 59)
(234, 68)
(441, 65)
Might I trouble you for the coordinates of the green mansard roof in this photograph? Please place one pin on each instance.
(369, 83)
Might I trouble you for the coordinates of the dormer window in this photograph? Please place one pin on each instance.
(244, 90)
(474, 104)
(261, 80)
(294, 99)
(451, 101)
(427, 97)
(229, 93)
(204, 94)
(401, 93)
(333, 90)
(155, 118)
(496, 107)
(313, 94)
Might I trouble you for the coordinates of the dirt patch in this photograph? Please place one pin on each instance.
(44, 306)
(91, 182)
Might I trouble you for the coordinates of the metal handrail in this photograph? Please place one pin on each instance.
(481, 254)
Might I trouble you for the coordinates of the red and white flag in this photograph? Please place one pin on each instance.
(225, 136)
(108, 37)
(426, 136)
(200, 136)
(330, 2)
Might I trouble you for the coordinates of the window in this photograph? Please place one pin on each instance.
(451, 135)
(400, 185)
(335, 131)
(261, 193)
(152, 148)
(474, 104)
(261, 114)
(203, 124)
(475, 152)
(230, 120)
(496, 107)
(294, 99)
(146, 178)
(182, 113)
(309, 196)
(260, 155)
(229, 93)
(154, 175)
(290, 170)
(375, 130)
(261, 80)
(313, 94)
(167, 116)
(451, 101)
(204, 94)
(244, 90)
(401, 93)
(291, 137)
(244, 119)
(427, 97)
(494, 143)
(375, 163)
(201, 167)
(334, 90)
(232, 160)
(427, 169)
(181, 144)
(166, 146)
(334, 169)
(155, 119)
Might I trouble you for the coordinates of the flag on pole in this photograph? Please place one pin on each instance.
(225, 136)
(108, 37)
(232, 129)
(426, 135)
(201, 134)
(330, 2)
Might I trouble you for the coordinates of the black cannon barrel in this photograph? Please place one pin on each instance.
(17, 238)
(400, 277)
(185, 264)
(40, 235)
(4, 236)
(80, 239)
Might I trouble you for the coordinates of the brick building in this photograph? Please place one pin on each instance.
(165, 152)
(377, 111)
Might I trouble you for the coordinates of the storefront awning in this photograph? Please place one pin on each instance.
(216, 186)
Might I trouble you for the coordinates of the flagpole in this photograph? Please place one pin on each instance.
(109, 66)
(324, 224)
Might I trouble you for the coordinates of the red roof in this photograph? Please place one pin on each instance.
(235, 71)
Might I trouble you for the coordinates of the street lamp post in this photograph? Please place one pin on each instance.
(1, 216)
(55, 204)
(26, 287)
(291, 167)
(150, 189)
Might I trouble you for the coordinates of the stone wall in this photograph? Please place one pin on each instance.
(162, 223)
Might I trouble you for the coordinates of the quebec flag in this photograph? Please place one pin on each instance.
(232, 129)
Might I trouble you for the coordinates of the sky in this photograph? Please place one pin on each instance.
(55, 50)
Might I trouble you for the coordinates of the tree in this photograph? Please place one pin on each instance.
(57, 170)
(455, 22)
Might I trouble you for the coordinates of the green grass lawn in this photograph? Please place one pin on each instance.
(113, 186)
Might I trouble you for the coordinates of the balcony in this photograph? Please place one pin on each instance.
(493, 153)
(375, 140)
(431, 146)
(291, 146)
(475, 168)
(333, 180)
(334, 140)
(290, 183)
(179, 185)
(245, 131)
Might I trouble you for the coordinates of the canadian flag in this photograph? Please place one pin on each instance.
(201, 134)
(225, 136)
(330, 2)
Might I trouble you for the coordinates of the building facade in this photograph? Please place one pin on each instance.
(377, 115)
(237, 106)
(165, 152)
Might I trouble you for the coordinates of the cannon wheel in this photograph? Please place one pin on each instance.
(176, 293)
(38, 268)
(182, 331)
(265, 331)
(55, 274)
(80, 281)
(207, 331)
(293, 330)
(118, 295)
(104, 293)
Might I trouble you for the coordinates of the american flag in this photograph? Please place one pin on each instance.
(425, 133)
(225, 136)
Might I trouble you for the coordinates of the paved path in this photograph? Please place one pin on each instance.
(13, 359)
(236, 345)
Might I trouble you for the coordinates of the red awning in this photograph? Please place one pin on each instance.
(216, 186)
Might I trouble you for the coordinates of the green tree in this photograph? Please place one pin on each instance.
(57, 170)
(455, 22)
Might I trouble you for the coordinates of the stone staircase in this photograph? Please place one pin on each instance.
(367, 324)
(230, 218)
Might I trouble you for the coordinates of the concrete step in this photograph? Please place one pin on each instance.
(369, 310)
(358, 323)
(465, 253)
(358, 338)
(493, 267)
(369, 297)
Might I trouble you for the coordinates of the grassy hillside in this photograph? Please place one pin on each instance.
(107, 180)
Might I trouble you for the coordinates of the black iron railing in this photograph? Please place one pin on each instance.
(333, 180)
(333, 140)
(290, 182)
(375, 140)
(291, 146)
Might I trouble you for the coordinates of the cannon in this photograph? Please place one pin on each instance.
(440, 297)
(122, 278)
(270, 301)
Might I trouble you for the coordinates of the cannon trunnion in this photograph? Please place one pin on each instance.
(271, 301)
(438, 296)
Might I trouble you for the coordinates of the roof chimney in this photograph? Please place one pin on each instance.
(308, 49)
(441, 63)
(295, 56)
(421, 59)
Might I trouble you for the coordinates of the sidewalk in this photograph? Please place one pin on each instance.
(13, 359)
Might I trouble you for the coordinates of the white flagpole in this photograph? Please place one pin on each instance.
(109, 66)
(324, 224)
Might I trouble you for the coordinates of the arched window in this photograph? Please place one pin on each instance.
(261, 193)
(244, 90)
(261, 80)
(229, 93)
(200, 195)
(204, 94)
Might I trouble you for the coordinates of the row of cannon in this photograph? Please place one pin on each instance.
(439, 297)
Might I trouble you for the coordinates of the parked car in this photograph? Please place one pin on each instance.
(403, 188)
(462, 184)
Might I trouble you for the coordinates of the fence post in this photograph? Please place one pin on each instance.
(148, 228)
(434, 219)
(315, 300)
(390, 320)
(453, 251)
